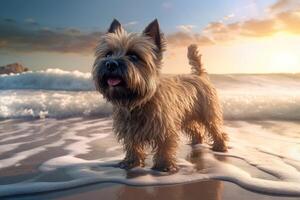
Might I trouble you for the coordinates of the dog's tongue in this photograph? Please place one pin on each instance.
(113, 81)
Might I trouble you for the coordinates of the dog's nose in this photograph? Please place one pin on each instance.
(111, 65)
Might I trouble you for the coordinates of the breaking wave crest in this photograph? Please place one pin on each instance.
(56, 93)
(50, 79)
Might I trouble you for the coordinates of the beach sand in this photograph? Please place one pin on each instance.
(203, 190)
(26, 145)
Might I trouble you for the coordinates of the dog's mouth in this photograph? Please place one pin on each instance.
(114, 81)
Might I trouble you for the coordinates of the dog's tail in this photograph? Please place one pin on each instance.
(195, 60)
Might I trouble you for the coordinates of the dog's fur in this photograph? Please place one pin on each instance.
(150, 109)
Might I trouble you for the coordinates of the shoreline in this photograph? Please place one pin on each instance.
(202, 190)
(27, 146)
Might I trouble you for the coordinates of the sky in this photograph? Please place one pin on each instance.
(234, 36)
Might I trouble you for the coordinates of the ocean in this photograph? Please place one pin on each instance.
(55, 133)
(55, 93)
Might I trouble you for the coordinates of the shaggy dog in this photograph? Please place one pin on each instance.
(151, 109)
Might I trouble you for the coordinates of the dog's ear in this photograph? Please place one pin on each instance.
(114, 26)
(152, 31)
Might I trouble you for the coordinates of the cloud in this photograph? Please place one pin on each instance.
(251, 28)
(2, 44)
(9, 20)
(283, 5)
(184, 39)
(222, 32)
(19, 37)
(132, 23)
(227, 17)
(279, 5)
(31, 21)
(186, 28)
(216, 27)
(282, 21)
(258, 28)
(15, 36)
(290, 21)
(23, 38)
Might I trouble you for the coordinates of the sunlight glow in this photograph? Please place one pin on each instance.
(284, 62)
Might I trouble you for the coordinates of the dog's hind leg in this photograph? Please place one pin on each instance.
(195, 131)
(213, 121)
(218, 136)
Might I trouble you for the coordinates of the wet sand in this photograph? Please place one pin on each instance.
(203, 190)
(27, 170)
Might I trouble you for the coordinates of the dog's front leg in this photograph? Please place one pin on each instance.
(165, 155)
(135, 155)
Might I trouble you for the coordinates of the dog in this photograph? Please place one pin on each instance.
(151, 109)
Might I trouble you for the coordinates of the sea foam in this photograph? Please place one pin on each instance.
(58, 79)
(237, 105)
(58, 94)
(275, 157)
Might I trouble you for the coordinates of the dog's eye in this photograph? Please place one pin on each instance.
(133, 56)
(109, 54)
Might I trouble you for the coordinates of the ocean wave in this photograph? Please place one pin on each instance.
(237, 105)
(58, 79)
(51, 104)
(50, 79)
(56, 93)
(257, 81)
(249, 105)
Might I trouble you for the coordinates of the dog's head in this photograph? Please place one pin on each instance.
(127, 65)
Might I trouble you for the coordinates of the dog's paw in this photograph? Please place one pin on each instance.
(220, 148)
(129, 164)
(172, 168)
